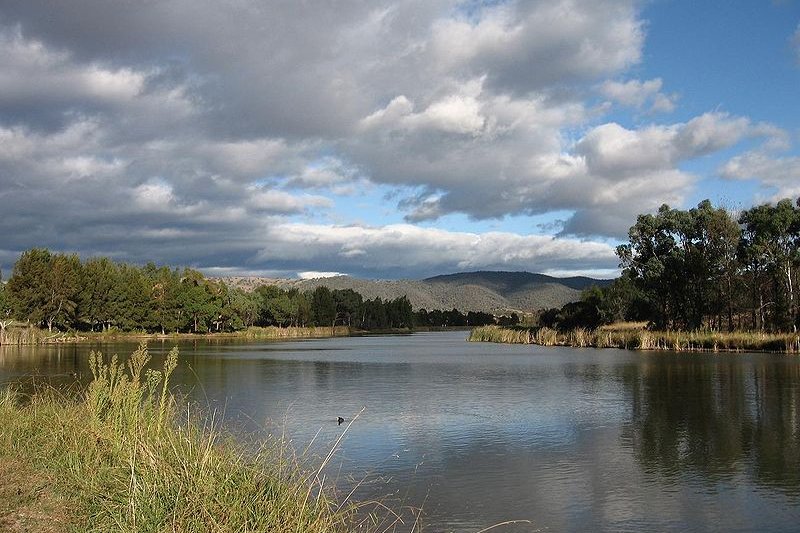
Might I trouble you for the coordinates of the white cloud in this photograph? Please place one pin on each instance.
(638, 94)
(458, 113)
(275, 201)
(781, 174)
(154, 196)
(405, 247)
(34, 77)
(531, 45)
(312, 274)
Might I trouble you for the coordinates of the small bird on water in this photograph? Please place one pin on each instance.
(340, 420)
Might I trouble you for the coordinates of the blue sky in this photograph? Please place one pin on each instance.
(385, 139)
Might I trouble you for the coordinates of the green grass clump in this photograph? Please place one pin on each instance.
(120, 455)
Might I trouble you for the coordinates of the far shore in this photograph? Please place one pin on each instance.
(22, 336)
(29, 335)
(638, 338)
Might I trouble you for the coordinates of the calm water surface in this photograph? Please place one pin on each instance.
(478, 434)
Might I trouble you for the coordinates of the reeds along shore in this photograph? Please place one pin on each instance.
(121, 457)
(28, 335)
(642, 339)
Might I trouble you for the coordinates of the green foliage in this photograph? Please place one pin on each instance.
(770, 254)
(45, 287)
(5, 305)
(681, 261)
(700, 269)
(324, 306)
(100, 277)
(101, 295)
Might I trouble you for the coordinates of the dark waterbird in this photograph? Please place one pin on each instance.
(340, 420)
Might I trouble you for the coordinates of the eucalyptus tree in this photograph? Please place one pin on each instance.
(684, 264)
(348, 304)
(649, 259)
(99, 278)
(241, 307)
(27, 287)
(44, 288)
(130, 299)
(324, 306)
(770, 251)
(198, 300)
(5, 310)
(164, 305)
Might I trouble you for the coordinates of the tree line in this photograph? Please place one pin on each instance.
(701, 268)
(58, 291)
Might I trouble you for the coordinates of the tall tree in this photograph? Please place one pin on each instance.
(684, 264)
(770, 248)
(63, 291)
(164, 290)
(100, 276)
(44, 288)
(324, 306)
(5, 310)
(196, 300)
(27, 287)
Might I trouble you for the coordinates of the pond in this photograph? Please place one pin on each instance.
(479, 434)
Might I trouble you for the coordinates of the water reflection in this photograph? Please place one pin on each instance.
(711, 418)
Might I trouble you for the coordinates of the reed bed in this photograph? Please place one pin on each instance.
(123, 463)
(272, 332)
(20, 334)
(29, 335)
(641, 339)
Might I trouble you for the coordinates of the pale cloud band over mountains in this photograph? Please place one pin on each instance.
(243, 136)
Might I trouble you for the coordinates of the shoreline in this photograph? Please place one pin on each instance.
(31, 336)
(644, 340)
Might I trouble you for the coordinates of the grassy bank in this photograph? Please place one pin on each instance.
(27, 335)
(642, 339)
(116, 459)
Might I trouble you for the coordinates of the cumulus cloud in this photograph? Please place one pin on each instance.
(780, 174)
(408, 250)
(527, 169)
(524, 46)
(639, 94)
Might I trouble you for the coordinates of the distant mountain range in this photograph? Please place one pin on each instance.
(491, 292)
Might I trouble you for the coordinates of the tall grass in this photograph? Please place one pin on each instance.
(120, 453)
(637, 338)
(292, 332)
(20, 334)
(29, 335)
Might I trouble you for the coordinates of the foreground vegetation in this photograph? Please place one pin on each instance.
(639, 338)
(117, 459)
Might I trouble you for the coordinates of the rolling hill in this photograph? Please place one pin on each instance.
(492, 292)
